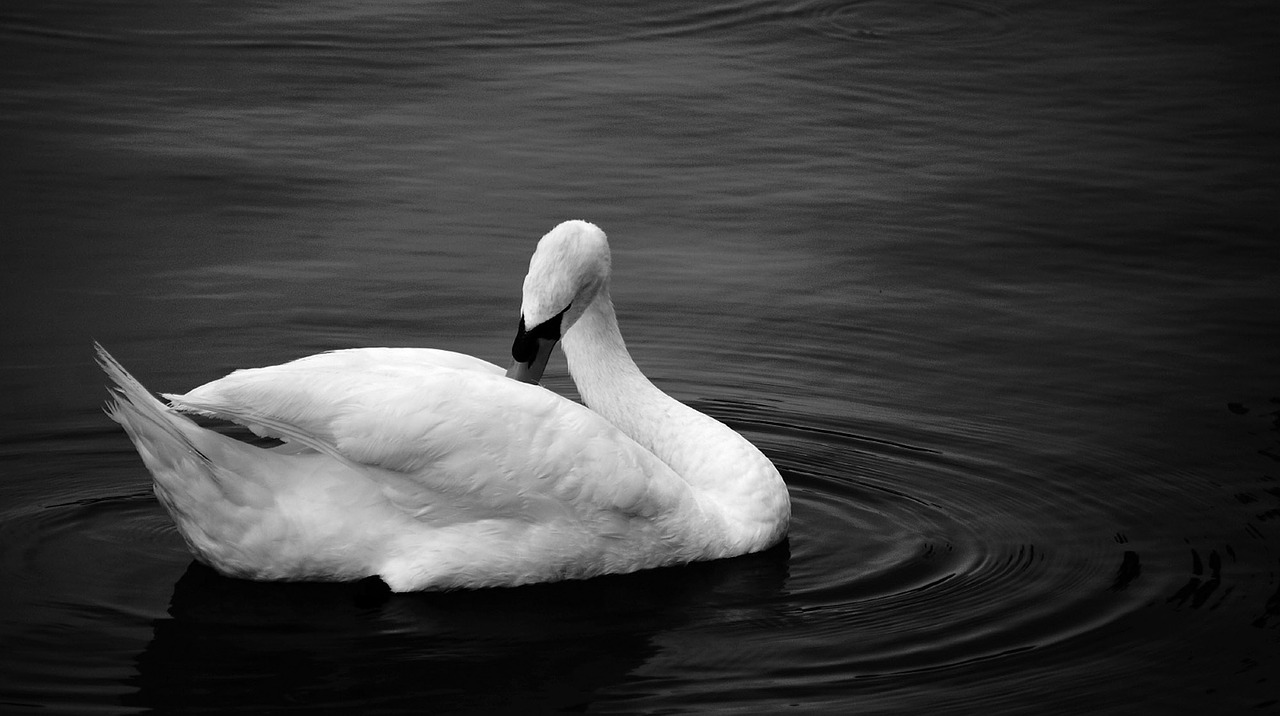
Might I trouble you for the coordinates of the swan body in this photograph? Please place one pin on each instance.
(437, 470)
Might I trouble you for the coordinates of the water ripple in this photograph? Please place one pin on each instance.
(912, 551)
(92, 554)
(910, 556)
(352, 30)
(943, 23)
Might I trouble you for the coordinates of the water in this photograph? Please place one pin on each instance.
(992, 283)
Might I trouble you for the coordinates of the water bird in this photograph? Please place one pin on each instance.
(431, 469)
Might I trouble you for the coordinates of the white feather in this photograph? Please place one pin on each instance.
(434, 470)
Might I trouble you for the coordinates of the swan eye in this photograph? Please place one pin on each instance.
(525, 346)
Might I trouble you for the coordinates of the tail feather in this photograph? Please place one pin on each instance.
(140, 412)
(200, 476)
(188, 463)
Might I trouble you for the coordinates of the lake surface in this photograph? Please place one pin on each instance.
(993, 284)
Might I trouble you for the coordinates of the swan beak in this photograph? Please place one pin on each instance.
(532, 348)
(531, 371)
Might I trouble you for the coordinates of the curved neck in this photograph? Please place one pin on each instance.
(712, 458)
(606, 376)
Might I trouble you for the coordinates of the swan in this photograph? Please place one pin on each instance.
(436, 470)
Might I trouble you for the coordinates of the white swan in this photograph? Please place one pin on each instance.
(434, 470)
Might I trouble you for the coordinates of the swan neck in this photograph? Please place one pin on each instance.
(728, 472)
(598, 359)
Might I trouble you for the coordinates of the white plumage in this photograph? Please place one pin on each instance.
(434, 470)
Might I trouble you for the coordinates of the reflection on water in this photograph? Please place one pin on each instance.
(242, 646)
(255, 646)
(993, 283)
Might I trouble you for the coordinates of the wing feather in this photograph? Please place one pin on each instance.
(450, 427)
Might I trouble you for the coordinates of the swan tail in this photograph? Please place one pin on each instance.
(186, 461)
(148, 421)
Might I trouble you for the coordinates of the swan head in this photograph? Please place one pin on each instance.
(568, 269)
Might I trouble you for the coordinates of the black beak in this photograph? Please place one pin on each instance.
(532, 349)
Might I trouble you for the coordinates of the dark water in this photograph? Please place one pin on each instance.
(993, 284)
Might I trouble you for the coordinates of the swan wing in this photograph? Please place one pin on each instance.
(463, 439)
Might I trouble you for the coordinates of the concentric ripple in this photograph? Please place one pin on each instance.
(932, 560)
(88, 578)
(97, 552)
